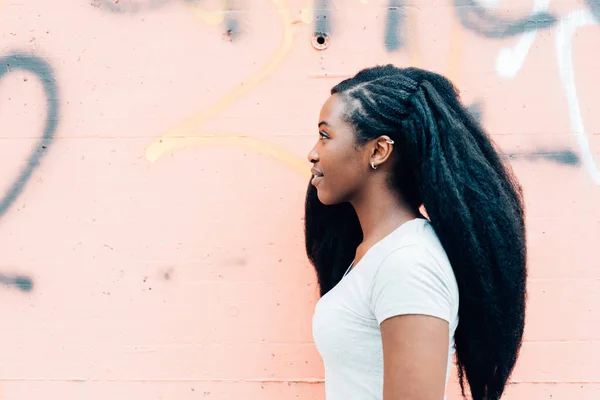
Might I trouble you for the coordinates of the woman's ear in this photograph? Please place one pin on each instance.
(382, 150)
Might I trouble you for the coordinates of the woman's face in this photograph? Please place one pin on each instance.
(340, 167)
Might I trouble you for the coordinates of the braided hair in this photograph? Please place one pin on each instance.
(447, 164)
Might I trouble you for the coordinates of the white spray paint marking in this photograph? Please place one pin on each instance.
(567, 28)
(510, 60)
(488, 3)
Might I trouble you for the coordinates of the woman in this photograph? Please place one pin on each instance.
(392, 142)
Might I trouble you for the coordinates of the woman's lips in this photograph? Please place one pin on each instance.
(317, 176)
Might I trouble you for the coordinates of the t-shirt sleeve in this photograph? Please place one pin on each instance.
(411, 281)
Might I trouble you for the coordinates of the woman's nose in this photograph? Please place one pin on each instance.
(313, 157)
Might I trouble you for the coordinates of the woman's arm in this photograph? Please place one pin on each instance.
(415, 355)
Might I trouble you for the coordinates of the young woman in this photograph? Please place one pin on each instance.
(394, 144)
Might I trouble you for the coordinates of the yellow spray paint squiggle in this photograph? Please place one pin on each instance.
(210, 17)
(256, 145)
(176, 138)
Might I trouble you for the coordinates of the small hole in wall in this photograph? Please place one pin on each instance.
(320, 41)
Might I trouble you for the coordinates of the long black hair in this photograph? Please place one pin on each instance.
(447, 164)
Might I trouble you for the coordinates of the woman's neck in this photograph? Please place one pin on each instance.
(379, 214)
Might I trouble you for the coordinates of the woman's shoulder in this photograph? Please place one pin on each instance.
(414, 243)
(416, 235)
(418, 247)
(414, 276)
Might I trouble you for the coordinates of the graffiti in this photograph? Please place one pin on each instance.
(472, 15)
(567, 29)
(594, 8)
(510, 60)
(476, 110)
(394, 37)
(480, 20)
(179, 136)
(44, 73)
(257, 145)
(321, 37)
(223, 15)
(562, 157)
(232, 26)
(322, 18)
(22, 283)
(130, 7)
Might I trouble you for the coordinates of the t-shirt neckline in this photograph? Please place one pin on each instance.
(381, 241)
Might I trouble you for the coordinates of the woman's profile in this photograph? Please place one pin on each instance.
(415, 227)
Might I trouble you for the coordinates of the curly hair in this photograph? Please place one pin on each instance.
(448, 165)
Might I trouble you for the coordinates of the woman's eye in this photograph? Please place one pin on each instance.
(323, 135)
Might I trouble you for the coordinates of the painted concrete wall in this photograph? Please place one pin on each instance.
(154, 166)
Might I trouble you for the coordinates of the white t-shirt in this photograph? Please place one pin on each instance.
(406, 272)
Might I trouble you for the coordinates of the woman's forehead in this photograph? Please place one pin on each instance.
(332, 110)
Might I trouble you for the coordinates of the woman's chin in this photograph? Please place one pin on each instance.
(322, 198)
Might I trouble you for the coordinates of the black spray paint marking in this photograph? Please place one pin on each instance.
(125, 6)
(595, 8)
(44, 73)
(564, 157)
(478, 19)
(394, 27)
(476, 111)
(323, 18)
(23, 283)
(232, 26)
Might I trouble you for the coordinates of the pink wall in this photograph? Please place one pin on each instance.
(152, 243)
